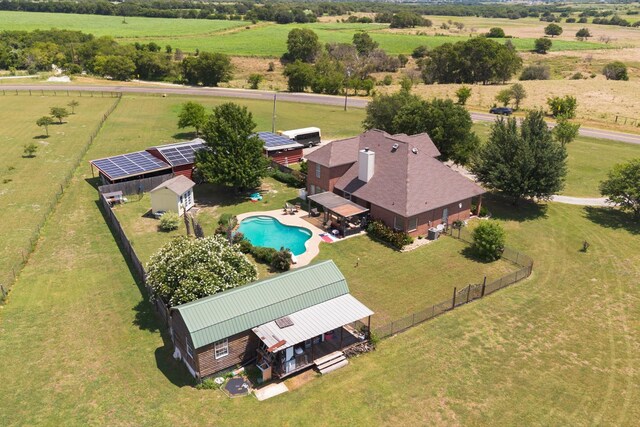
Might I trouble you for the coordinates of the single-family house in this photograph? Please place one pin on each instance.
(398, 178)
(287, 323)
(281, 149)
(173, 195)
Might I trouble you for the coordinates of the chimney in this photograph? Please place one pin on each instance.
(366, 161)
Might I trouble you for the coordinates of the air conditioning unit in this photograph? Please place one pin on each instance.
(395, 147)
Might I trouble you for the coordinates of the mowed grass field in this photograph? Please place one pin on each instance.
(79, 345)
(28, 185)
(264, 40)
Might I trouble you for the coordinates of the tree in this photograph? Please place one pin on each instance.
(420, 52)
(518, 93)
(299, 76)
(615, 71)
(553, 30)
(583, 33)
(214, 68)
(115, 66)
(254, 80)
(234, 157)
(364, 43)
(73, 104)
(488, 241)
(303, 45)
(30, 150)
(187, 269)
(504, 97)
(45, 121)
(542, 45)
(382, 109)
(564, 131)
(59, 113)
(463, 93)
(192, 114)
(496, 33)
(622, 186)
(563, 106)
(522, 162)
(448, 125)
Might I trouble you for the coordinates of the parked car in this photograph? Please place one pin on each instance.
(505, 111)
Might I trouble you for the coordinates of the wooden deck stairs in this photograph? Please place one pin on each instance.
(331, 362)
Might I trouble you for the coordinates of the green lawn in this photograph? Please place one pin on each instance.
(28, 185)
(395, 284)
(561, 348)
(265, 39)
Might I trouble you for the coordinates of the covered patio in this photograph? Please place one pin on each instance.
(341, 216)
(307, 337)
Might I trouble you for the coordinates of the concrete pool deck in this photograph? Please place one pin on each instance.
(312, 245)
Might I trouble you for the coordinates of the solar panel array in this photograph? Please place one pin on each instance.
(129, 164)
(271, 140)
(180, 154)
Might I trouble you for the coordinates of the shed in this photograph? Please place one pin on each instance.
(281, 149)
(174, 195)
(180, 155)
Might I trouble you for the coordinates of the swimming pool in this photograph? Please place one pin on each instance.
(269, 232)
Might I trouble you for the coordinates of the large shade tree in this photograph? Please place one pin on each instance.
(186, 269)
(302, 44)
(522, 162)
(622, 186)
(234, 157)
(192, 114)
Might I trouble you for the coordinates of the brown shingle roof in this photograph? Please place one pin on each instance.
(404, 182)
(179, 185)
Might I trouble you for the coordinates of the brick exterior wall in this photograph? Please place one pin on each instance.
(328, 176)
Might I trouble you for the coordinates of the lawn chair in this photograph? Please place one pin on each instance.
(314, 212)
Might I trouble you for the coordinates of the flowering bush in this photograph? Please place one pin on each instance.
(397, 239)
(187, 269)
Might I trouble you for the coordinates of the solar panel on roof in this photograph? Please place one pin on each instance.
(272, 140)
(124, 165)
(180, 154)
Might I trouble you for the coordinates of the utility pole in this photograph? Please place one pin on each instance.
(346, 89)
(273, 117)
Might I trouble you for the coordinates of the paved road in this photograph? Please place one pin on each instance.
(268, 95)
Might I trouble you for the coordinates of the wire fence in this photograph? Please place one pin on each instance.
(11, 274)
(66, 92)
(466, 294)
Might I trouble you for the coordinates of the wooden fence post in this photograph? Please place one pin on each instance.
(484, 285)
(468, 292)
(453, 305)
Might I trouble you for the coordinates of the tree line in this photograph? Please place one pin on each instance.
(76, 52)
(282, 12)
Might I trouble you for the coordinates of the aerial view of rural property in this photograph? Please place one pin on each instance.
(319, 213)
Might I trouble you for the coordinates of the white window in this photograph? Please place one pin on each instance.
(398, 223)
(221, 348)
(189, 351)
(318, 170)
(413, 223)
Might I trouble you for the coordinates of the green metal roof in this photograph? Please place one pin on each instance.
(220, 316)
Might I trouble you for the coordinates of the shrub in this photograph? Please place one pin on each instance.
(254, 80)
(496, 32)
(281, 260)
(30, 149)
(542, 45)
(237, 237)
(463, 93)
(615, 71)
(224, 219)
(488, 241)
(536, 72)
(208, 384)
(262, 254)
(484, 212)
(304, 166)
(397, 239)
(293, 179)
(271, 67)
(577, 76)
(563, 106)
(420, 52)
(245, 246)
(387, 80)
(169, 221)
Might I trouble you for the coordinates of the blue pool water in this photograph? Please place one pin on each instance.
(271, 233)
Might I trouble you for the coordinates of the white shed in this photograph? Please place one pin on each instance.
(174, 195)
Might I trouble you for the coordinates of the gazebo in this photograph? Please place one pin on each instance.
(339, 213)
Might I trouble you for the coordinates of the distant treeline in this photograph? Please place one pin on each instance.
(282, 12)
(76, 52)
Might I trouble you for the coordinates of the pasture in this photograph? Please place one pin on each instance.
(559, 348)
(28, 186)
(237, 38)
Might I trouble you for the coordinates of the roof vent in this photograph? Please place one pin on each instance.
(395, 147)
(414, 150)
(366, 149)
